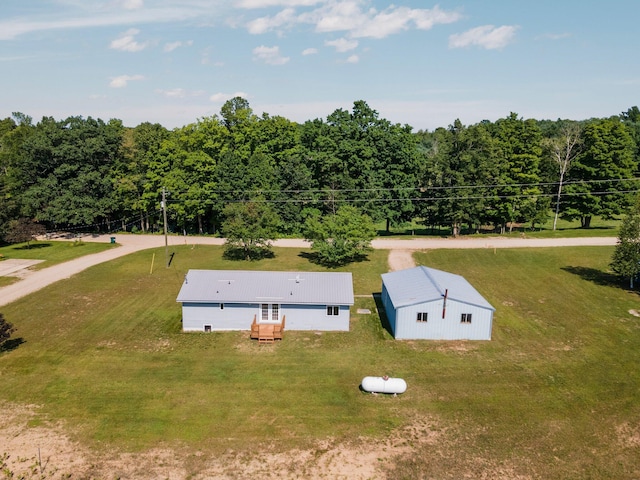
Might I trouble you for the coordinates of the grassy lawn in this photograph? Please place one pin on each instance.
(555, 393)
(564, 228)
(51, 252)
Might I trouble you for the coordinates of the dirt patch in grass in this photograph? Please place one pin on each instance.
(400, 260)
(33, 449)
(628, 435)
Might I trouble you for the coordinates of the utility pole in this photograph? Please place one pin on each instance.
(164, 215)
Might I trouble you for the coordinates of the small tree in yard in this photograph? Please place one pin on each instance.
(23, 230)
(340, 238)
(249, 228)
(626, 257)
(6, 329)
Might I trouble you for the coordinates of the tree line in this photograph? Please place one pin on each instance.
(91, 175)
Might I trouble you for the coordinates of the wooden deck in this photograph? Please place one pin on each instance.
(267, 333)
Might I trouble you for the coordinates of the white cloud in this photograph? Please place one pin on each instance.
(486, 36)
(131, 4)
(94, 14)
(171, 46)
(127, 42)
(353, 59)
(223, 97)
(250, 4)
(352, 16)
(342, 44)
(397, 19)
(173, 93)
(179, 93)
(309, 51)
(553, 36)
(123, 80)
(265, 24)
(269, 55)
(337, 16)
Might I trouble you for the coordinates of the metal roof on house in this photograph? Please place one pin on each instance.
(239, 286)
(423, 284)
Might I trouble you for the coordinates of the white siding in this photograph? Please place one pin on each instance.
(314, 317)
(449, 328)
(195, 316)
(232, 317)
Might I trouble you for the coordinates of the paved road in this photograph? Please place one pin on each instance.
(133, 243)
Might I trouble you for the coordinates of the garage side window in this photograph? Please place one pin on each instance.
(333, 310)
(421, 317)
(465, 318)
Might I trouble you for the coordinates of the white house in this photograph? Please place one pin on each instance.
(231, 299)
(425, 303)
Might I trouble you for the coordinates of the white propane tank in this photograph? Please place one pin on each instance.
(383, 385)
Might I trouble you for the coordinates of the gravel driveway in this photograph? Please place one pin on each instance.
(399, 257)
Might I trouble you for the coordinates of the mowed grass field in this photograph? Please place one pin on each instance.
(50, 252)
(555, 394)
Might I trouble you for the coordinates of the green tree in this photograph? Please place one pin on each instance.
(65, 168)
(626, 256)
(519, 152)
(358, 157)
(6, 330)
(459, 176)
(249, 228)
(602, 174)
(23, 230)
(128, 173)
(14, 133)
(631, 119)
(340, 238)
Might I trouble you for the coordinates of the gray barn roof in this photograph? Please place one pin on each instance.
(423, 284)
(239, 286)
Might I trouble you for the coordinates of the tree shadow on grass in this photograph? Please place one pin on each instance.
(314, 258)
(33, 246)
(596, 276)
(11, 344)
(238, 254)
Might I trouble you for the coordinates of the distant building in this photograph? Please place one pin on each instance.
(425, 303)
(231, 299)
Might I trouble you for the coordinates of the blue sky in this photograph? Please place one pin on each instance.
(415, 62)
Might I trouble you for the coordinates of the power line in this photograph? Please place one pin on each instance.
(401, 189)
(496, 196)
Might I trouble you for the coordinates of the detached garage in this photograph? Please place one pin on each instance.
(425, 303)
(235, 299)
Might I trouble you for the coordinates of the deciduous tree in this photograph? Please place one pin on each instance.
(342, 237)
(23, 230)
(602, 174)
(6, 330)
(249, 228)
(626, 256)
(563, 149)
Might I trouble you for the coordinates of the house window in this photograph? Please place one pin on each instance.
(275, 312)
(207, 328)
(332, 310)
(265, 312)
(465, 318)
(421, 317)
